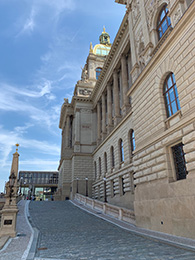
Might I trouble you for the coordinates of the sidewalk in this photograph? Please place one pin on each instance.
(18, 248)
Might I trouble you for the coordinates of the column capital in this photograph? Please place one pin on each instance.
(123, 56)
(115, 72)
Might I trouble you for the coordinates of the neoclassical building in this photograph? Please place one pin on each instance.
(128, 134)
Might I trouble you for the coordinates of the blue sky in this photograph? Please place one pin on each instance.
(43, 44)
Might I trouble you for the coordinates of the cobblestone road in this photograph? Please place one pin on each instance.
(67, 232)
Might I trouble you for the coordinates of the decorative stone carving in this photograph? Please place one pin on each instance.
(84, 92)
(142, 62)
(139, 39)
(177, 15)
(66, 100)
(86, 111)
(135, 10)
(151, 10)
(84, 75)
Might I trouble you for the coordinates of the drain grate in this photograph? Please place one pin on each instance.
(21, 235)
(42, 248)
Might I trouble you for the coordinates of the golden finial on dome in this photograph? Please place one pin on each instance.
(91, 48)
(17, 147)
(104, 29)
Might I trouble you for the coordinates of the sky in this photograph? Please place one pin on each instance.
(43, 45)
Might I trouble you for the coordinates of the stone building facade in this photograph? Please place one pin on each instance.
(128, 134)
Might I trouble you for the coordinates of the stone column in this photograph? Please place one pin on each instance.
(124, 84)
(98, 122)
(67, 130)
(116, 98)
(135, 66)
(103, 116)
(77, 130)
(109, 107)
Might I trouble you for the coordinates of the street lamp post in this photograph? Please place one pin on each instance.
(86, 187)
(105, 195)
(21, 181)
(24, 190)
(77, 185)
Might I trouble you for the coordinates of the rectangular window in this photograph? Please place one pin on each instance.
(179, 161)
(122, 182)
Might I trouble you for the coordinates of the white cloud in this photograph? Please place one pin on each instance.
(8, 139)
(53, 9)
(29, 24)
(22, 129)
(14, 99)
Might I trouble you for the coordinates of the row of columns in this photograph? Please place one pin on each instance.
(101, 128)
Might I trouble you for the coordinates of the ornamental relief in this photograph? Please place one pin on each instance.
(139, 41)
(135, 11)
(152, 9)
(84, 92)
(177, 16)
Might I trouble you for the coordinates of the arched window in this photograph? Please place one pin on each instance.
(98, 71)
(132, 141)
(95, 170)
(105, 162)
(112, 157)
(100, 167)
(170, 95)
(163, 21)
(121, 150)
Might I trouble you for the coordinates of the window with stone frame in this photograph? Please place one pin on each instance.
(95, 170)
(121, 148)
(179, 161)
(98, 72)
(105, 162)
(112, 189)
(132, 141)
(164, 22)
(100, 167)
(112, 159)
(170, 93)
(122, 184)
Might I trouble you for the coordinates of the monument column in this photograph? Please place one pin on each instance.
(116, 98)
(10, 210)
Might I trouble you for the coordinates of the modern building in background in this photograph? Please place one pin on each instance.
(128, 134)
(40, 185)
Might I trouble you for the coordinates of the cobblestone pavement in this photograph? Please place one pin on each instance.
(17, 248)
(67, 232)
